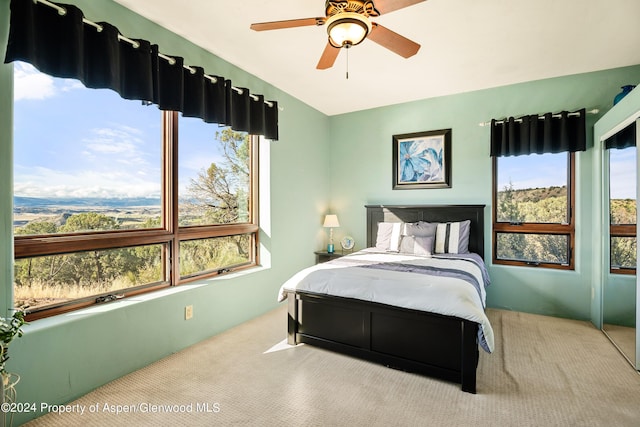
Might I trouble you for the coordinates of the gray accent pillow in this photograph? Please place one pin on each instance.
(417, 245)
(421, 229)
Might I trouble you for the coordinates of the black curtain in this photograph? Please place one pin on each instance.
(240, 108)
(538, 134)
(64, 46)
(623, 139)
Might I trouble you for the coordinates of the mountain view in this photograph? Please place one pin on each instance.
(126, 211)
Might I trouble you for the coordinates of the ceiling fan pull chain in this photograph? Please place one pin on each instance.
(347, 49)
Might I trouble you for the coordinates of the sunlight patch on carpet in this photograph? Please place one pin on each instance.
(282, 345)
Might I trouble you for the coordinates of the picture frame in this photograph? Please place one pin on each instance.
(422, 160)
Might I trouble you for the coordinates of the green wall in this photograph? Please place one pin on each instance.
(62, 358)
(361, 170)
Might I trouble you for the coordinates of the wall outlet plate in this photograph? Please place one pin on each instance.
(188, 312)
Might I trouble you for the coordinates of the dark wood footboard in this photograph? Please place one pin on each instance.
(439, 346)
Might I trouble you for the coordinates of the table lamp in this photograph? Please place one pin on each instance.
(331, 221)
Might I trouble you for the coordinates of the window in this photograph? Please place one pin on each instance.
(622, 210)
(113, 197)
(216, 198)
(533, 200)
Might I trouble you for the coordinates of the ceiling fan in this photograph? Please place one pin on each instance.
(348, 24)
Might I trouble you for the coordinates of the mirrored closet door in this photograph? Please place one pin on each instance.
(620, 287)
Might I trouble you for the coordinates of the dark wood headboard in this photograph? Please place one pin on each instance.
(429, 213)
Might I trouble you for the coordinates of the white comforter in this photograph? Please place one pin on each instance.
(354, 276)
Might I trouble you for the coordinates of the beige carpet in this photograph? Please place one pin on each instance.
(544, 372)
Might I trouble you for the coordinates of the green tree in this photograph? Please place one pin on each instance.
(508, 206)
(623, 211)
(623, 249)
(511, 245)
(223, 191)
(536, 205)
(41, 268)
(213, 254)
(623, 252)
(89, 221)
(223, 188)
(96, 266)
(37, 228)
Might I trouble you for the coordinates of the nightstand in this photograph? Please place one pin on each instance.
(324, 256)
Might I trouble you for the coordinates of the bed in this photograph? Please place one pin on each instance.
(433, 342)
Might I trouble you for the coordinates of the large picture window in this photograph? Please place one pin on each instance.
(114, 197)
(533, 210)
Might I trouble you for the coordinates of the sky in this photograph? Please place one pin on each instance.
(76, 142)
(623, 173)
(532, 171)
(545, 170)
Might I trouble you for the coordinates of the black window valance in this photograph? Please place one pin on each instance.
(624, 139)
(539, 134)
(59, 41)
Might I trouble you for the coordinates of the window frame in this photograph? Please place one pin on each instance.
(170, 234)
(617, 230)
(567, 229)
(621, 231)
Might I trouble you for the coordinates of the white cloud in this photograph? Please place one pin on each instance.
(44, 182)
(69, 85)
(111, 147)
(121, 144)
(196, 161)
(30, 84)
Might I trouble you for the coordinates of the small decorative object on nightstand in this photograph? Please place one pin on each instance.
(324, 256)
(331, 221)
(347, 244)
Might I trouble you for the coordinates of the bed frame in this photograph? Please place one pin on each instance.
(443, 347)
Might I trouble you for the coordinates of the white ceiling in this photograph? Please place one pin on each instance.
(466, 45)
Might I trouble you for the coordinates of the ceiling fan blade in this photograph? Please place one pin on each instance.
(291, 23)
(386, 6)
(393, 41)
(328, 57)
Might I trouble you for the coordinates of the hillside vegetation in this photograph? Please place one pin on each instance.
(549, 205)
(536, 201)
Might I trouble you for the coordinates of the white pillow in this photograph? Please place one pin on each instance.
(388, 237)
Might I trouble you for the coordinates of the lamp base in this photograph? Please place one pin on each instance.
(330, 248)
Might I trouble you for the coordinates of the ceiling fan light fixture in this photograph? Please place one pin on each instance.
(347, 29)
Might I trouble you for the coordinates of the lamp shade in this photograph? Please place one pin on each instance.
(331, 221)
(347, 29)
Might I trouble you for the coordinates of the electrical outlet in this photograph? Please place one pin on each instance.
(188, 312)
